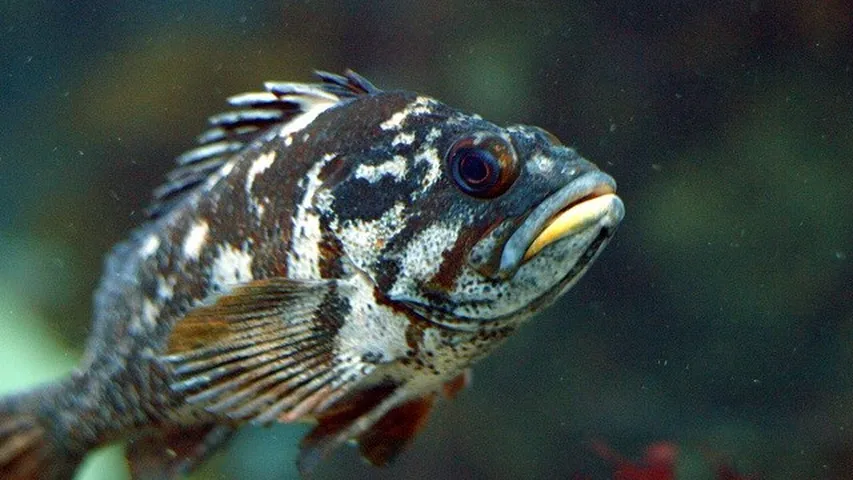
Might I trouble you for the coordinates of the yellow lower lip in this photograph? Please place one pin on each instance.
(574, 220)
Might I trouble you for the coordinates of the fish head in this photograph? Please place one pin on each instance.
(466, 222)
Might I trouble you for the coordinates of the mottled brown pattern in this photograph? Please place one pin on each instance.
(331, 253)
(308, 271)
(453, 259)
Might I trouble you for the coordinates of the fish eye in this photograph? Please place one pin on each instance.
(482, 166)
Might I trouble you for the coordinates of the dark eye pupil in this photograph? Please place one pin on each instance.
(474, 168)
(482, 166)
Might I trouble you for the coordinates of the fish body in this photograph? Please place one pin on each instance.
(330, 253)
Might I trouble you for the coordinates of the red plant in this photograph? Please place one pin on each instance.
(658, 463)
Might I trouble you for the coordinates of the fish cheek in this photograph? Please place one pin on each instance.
(461, 258)
(453, 260)
(485, 256)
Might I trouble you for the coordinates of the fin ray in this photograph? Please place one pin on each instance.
(248, 349)
(264, 351)
(342, 420)
(278, 397)
(259, 377)
(255, 113)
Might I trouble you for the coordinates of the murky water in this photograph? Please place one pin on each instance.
(719, 321)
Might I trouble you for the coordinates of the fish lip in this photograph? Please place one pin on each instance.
(592, 183)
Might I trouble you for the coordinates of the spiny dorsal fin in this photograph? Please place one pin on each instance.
(265, 351)
(350, 84)
(254, 114)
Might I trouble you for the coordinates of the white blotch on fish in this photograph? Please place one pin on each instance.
(395, 168)
(360, 237)
(434, 168)
(258, 167)
(195, 239)
(150, 245)
(231, 267)
(423, 255)
(403, 138)
(150, 311)
(371, 327)
(420, 106)
(541, 165)
(303, 259)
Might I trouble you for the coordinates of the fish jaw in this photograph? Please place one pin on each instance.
(604, 211)
(587, 202)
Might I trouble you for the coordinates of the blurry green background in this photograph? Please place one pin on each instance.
(719, 319)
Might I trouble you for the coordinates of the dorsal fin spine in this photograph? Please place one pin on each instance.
(252, 99)
(292, 105)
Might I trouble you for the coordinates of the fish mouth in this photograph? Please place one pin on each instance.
(589, 201)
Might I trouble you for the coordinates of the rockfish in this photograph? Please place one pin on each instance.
(330, 253)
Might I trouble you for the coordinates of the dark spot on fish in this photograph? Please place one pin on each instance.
(383, 194)
(150, 287)
(332, 312)
(335, 171)
(372, 357)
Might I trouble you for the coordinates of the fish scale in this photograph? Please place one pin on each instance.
(330, 253)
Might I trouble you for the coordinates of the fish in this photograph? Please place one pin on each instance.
(330, 253)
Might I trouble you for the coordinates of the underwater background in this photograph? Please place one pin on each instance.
(719, 320)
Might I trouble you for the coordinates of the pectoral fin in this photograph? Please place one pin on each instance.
(265, 351)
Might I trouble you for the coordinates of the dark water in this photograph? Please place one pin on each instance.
(720, 320)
